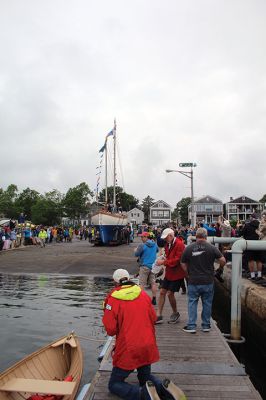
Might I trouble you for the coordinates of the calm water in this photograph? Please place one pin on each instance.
(35, 310)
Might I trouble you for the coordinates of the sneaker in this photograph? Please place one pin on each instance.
(148, 392)
(189, 330)
(170, 391)
(159, 320)
(206, 329)
(153, 301)
(174, 318)
(258, 278)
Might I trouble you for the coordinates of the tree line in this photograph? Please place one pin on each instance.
(50, 207)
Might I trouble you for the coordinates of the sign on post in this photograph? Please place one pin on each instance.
(187, 165)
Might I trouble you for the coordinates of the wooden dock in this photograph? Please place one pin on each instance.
(201, 364)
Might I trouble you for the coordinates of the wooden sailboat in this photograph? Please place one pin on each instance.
(44, 371)
(110, 225)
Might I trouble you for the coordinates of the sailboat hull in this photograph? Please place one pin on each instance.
(109, 227)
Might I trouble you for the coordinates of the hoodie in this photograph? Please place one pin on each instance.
(130, 316)
(147, 253)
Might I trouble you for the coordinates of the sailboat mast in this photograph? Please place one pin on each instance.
(114, 135)
(106, 194)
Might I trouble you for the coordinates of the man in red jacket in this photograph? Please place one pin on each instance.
(130, 316)
(174, 274)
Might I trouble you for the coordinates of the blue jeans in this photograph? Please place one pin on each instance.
(124, 390)
(205, 292)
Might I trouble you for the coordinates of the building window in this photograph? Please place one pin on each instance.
(166, 214)
(154, 213)
(131, 214)
(160, 213)
(138, 215)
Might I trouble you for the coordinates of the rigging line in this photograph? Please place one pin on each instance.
(120, 166)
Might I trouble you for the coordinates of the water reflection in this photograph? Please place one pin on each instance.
(35, 310)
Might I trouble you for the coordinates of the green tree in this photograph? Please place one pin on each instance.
(7, 201)
(146, 205)
(55, 196)
(26, 200)
(181, 210)
(45, 212)
(127, 201)
(76, 201)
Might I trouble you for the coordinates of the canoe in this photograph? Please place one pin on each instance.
(44, 371)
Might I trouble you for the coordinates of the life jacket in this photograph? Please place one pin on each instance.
(36, 396)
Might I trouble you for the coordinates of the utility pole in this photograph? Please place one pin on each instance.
(188, 174)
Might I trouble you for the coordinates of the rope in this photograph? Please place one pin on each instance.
(93, 340)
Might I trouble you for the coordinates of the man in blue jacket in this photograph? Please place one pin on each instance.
(146, 252)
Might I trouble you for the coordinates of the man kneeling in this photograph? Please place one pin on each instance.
(130, 316)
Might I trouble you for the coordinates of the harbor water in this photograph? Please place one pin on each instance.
(37, 309)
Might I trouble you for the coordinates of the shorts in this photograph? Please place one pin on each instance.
(252, 255)
(146, 277)
(172, 286)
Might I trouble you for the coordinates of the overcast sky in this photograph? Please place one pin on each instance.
(186, 81)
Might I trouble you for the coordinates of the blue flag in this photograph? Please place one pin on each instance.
(110, 133)
(102, 148)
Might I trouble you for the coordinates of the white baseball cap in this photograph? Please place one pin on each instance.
(120, 274)
(166, 232)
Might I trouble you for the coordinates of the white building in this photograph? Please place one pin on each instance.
(207, 209)
(242, 207)
(135, 216)
(160, 213)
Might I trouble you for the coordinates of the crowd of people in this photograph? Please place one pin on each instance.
(14, 235)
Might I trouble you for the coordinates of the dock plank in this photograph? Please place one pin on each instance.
(201, 364)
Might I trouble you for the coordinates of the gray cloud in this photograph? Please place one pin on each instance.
(186, 82)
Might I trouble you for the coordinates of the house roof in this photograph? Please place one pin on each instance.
(208, 199)
(242, 199)
(135, 209)
(155, 205)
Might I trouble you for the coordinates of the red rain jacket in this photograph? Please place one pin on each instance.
(173, 270)
(129, 314)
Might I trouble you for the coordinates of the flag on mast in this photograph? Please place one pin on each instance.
(111, 133)
(102, 148)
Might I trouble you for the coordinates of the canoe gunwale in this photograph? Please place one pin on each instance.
(69, 352)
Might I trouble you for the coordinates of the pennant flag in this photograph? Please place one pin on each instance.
(103, 148)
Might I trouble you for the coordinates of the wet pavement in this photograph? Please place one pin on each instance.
(78, 257)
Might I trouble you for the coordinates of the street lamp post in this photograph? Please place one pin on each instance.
(188, 174)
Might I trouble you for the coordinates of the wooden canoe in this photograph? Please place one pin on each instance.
(43, 372)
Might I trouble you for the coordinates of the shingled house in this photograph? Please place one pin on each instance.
(207, 209)
(241, 208)
(160, 213)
